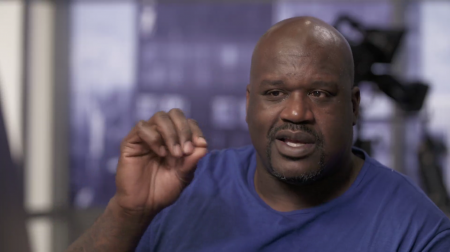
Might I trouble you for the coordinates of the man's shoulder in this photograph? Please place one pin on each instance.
(389, 182)
(395, 204)
(400, 198)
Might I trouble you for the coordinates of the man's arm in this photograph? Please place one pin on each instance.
(114, 230)
(157, 161)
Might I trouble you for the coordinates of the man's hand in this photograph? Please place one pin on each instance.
(157, 161)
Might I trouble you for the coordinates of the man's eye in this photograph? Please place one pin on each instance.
(275, 93)
(318, 94)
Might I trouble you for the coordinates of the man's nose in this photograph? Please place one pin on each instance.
(297, 109)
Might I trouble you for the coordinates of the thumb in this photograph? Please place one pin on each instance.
(190, 162)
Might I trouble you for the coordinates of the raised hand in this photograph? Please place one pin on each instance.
(158, 159)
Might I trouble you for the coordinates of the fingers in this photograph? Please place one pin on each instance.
(151, 137)
(179, 135)
(197, 134)
(166, 128)
(183, 130)
(141, 140)
(190, 163)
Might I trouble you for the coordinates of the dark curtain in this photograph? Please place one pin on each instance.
(13, 233)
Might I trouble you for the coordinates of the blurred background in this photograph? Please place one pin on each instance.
(75, 76)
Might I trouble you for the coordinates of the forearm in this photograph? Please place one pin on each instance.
(113, 231)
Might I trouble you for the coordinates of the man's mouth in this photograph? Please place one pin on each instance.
(292, 143)
(295, 138)
(295, 144)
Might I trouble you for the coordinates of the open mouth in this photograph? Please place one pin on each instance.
(296, 144)
(292, 143)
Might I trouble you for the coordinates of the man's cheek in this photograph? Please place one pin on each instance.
(259, 119)
(336, 136)
(256, 126)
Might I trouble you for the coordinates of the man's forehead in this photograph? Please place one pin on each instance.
(297, 46)
(296, 59)
(292, 50)
(295, 68)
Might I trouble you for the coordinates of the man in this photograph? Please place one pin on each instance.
(300, 187)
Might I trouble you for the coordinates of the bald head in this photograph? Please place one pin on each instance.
(302, 37)
(301, 81)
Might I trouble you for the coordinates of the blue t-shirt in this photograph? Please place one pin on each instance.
(382, 211)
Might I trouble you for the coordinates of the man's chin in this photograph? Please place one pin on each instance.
(298, 178)
(302, 170)
(297, 172)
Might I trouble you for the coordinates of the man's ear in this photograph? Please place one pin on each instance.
(356, 98)
(246, 104)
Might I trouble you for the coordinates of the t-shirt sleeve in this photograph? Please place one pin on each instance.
(440, 243)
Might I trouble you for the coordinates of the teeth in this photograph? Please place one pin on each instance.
(294, 144)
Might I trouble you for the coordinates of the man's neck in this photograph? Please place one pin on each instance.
(284, 197)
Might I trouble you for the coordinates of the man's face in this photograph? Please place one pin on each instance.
(300, 111)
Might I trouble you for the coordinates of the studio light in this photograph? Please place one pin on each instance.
(372, 46)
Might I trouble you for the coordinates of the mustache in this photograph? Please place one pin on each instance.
(294, 127)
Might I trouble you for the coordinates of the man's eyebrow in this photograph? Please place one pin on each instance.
(329, 84)
(272, 82)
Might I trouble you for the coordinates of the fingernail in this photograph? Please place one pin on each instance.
(162, 151)
(177, 150)
(201, 140)
(188, 147)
